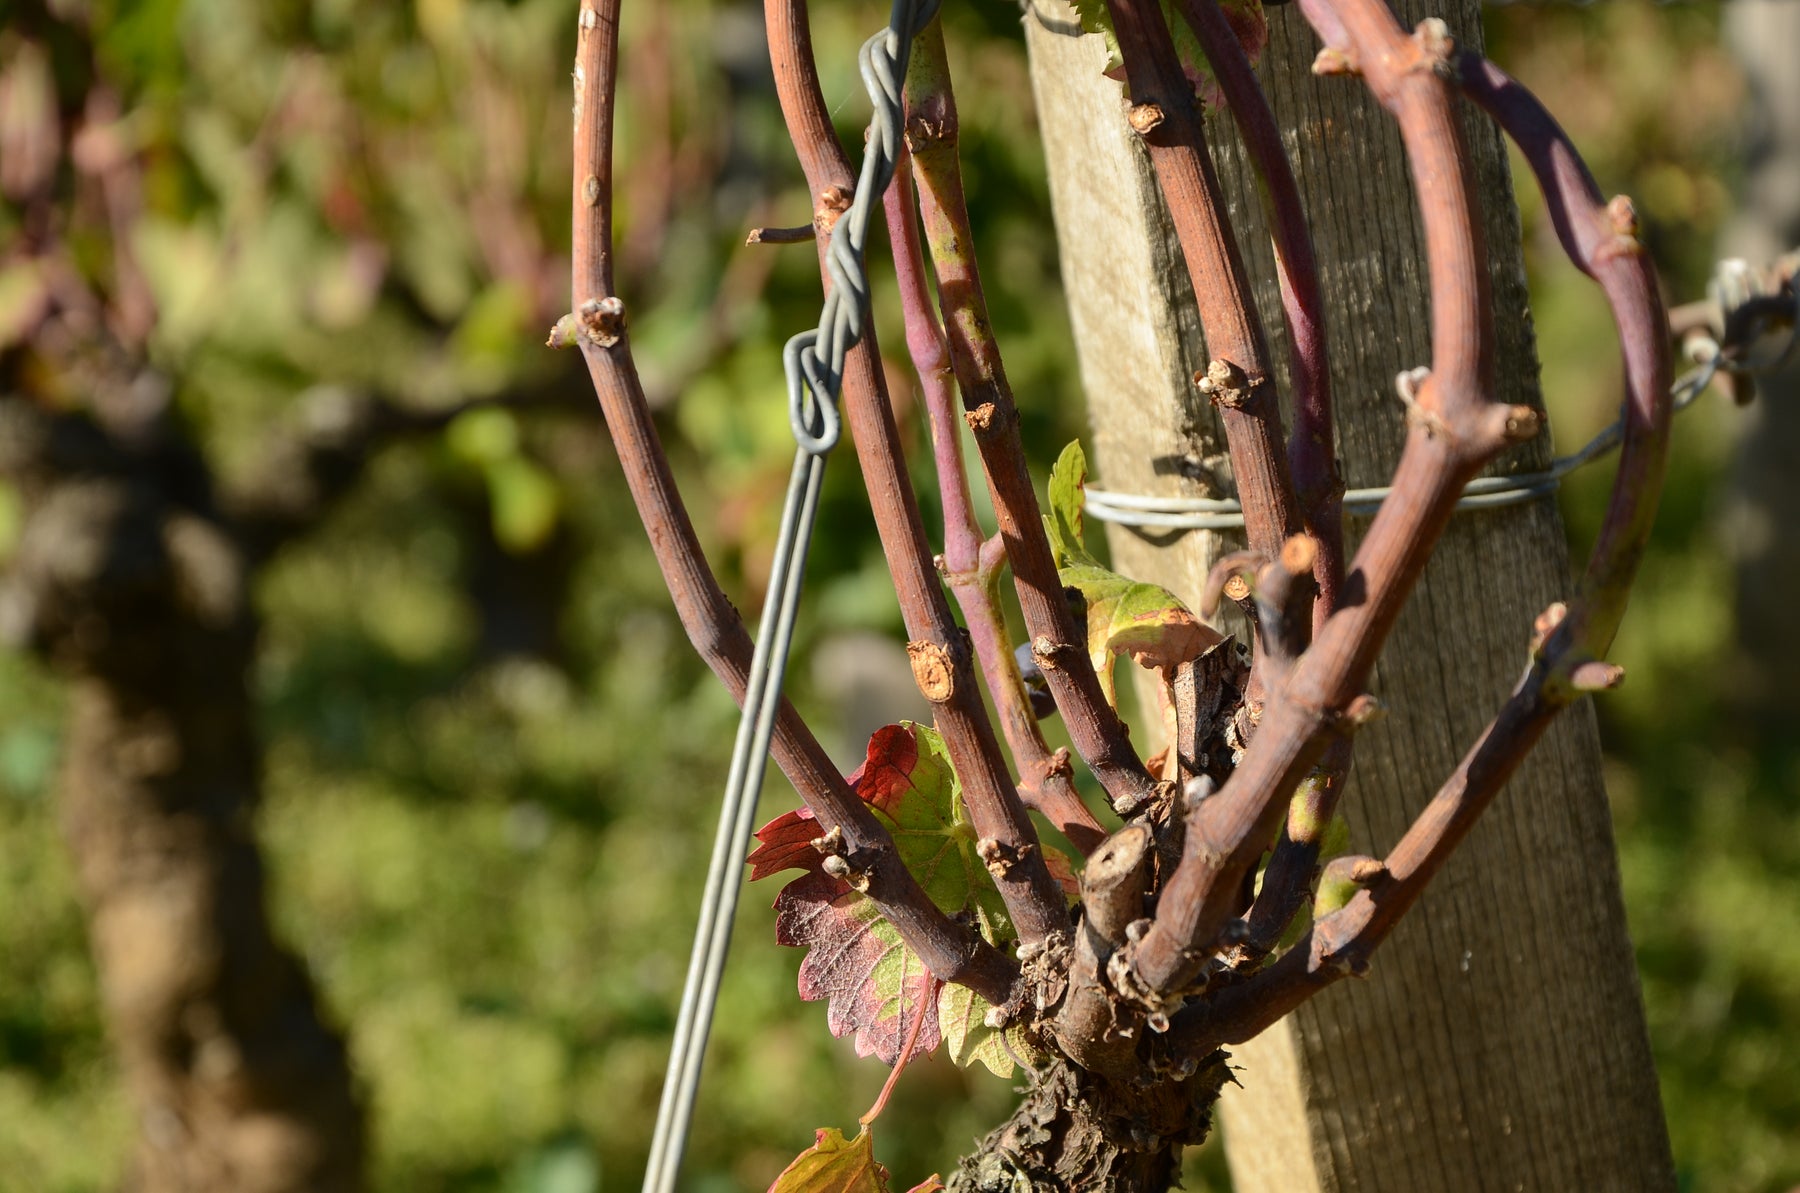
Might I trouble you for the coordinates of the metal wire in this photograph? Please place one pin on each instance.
(1766, 344)
(1486, 492)
(814, 362)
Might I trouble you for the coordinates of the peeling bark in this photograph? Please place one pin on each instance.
(1077, 1130)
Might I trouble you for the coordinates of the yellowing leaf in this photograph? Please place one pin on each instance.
(834, 1164)
(1125, 617)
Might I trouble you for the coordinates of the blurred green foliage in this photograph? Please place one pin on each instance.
(492, 756)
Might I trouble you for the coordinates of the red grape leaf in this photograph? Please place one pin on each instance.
(855, 960)
(786, 845)
(908, 781)
(787, 840)
(872, 983)
(834, 1164)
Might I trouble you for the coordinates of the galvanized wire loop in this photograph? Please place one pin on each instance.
(816, 425)
(1487, 492)
(814, 363)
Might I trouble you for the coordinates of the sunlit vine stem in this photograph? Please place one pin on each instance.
(1238, 381)
(1454, 428)
(940, 653)
(1600, 238)
(951, 951)
(1166, 115)
(1057, 641)
(1312, 459)
(972, 566)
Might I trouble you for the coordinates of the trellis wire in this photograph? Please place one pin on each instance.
(814, 362)
(1766, 344)
(1486, 492)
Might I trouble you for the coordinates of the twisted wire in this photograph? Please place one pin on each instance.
(814, 363)
(1748, 344)
(1486, 492)
(814, 360)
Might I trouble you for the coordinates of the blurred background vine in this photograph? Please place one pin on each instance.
(491, 755)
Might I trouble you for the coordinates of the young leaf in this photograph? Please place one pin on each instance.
(1068, 480)
(1342, 874)
(787, 844)
(1145, 621)
(834, 1164)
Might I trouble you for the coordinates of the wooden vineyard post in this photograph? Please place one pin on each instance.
(1499, 1041)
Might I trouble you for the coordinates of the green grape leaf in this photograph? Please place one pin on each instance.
(962, 1017)
(1094, 18)
(834, 1164)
